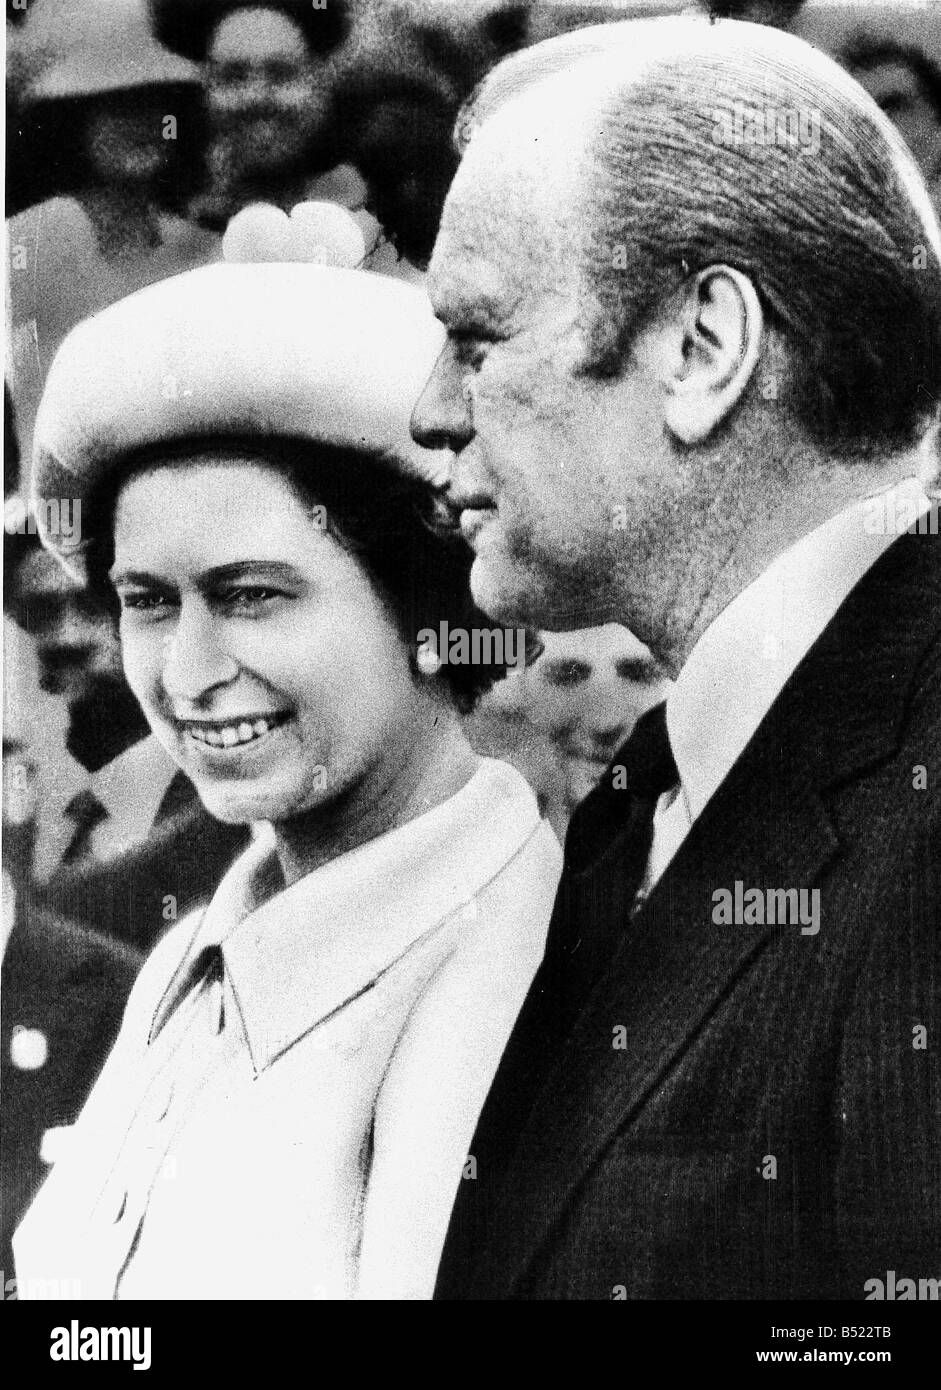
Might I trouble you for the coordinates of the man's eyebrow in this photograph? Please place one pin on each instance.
(461, 314)
(457, 307)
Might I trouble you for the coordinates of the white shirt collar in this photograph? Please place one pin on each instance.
(297, 954)
(746, 656)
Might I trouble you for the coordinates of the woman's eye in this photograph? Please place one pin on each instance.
(249, 596)
(143, 602)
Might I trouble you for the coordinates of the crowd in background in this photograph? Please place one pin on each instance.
(136, 133)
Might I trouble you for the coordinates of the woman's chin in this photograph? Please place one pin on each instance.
(244, 804)
(234, 810)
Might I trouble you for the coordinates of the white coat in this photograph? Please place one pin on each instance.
(289, 1107)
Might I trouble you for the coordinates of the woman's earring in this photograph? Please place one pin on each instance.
(427, 660)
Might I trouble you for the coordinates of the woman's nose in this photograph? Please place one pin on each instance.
(196, 661)
(442, 416)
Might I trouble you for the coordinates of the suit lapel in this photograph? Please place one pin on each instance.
(672, 968)
(767, 826)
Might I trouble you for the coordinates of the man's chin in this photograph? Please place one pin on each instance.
(497, 590)
(514, 597)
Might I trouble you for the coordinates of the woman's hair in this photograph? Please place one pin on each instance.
(57, 136)
(419, 570)
(186, 26)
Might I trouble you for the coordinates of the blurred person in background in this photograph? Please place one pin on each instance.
(118, 119)
(399, 85)
(562, 717)
(77, 651)
(907, 85)
(587, 691)
(63, 986)
(64, 989)
(778, 13)
(274, 137)
(502, 727)
(894, 51)
(269, 98)
(117, 838)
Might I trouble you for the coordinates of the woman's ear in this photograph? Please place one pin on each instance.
(722, 323)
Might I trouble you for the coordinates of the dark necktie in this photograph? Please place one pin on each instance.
(86, 813)
(606, 852)
(179, 796)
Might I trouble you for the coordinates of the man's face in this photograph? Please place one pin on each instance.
(75, 640)
(557, 475)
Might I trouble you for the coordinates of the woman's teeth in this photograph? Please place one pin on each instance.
(230, 735)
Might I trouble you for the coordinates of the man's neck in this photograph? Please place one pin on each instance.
(775, 522)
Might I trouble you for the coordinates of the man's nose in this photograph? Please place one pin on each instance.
(196, 661)
(442, 416)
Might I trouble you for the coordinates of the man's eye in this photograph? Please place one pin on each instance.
(470, 349)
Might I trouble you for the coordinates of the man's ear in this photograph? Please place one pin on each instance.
(722, 325)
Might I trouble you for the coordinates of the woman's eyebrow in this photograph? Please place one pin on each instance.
(218, 574)
(127, 576)
(241, 569)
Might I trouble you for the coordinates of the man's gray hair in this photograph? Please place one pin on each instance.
(734, 145)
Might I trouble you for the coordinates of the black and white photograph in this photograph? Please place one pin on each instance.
(472, 669)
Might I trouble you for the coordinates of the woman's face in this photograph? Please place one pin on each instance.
(265, 661)
(124, 140)
(263, 91)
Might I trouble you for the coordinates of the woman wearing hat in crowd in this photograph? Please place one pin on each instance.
(117, 118)
(270, 74)
(289, 1106)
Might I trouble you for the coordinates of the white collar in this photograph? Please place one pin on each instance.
(295, 955)
(746, 656)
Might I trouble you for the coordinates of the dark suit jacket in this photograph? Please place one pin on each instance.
(69, 985)
(643, 1170)
(183, 859)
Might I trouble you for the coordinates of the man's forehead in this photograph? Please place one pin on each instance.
(506, 233)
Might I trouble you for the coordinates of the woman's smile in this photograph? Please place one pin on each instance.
(235, 734)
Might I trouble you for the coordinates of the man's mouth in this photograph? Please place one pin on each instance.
(232, 733)
(472, 513)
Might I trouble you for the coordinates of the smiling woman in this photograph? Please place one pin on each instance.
(324, 1036)
(315, 594)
